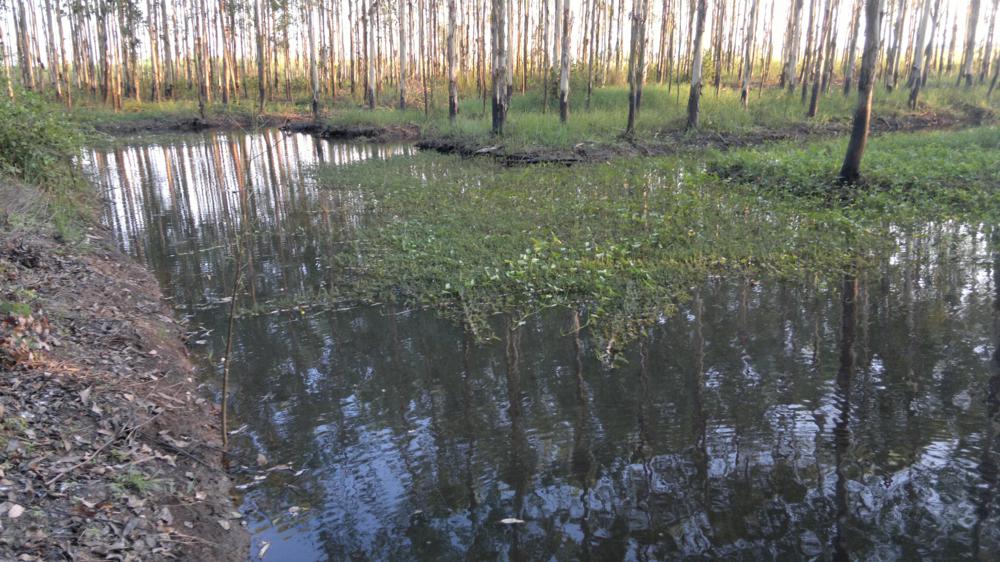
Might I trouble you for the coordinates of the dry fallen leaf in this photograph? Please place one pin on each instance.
(15, 511)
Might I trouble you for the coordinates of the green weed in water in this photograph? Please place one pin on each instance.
(628, 240)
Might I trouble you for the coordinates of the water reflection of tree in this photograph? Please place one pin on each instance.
(520, 464)
(544, 433)
(985, 496)
(842, 429)
(583, 465)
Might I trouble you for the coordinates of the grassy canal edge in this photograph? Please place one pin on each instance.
(107, 446)
(534, 134)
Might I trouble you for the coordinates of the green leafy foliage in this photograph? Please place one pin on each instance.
(37, 142)
(38, 145)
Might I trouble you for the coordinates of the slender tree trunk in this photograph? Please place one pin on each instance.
(226, 63)
(850, 172)
(498, 35)
(720, 14)
(663, 62)
(511, 50)
(892, 72)
(748, 55)
(919, 46)
(591, 51)
(402, 56)
(790, 69)
(154, 53)
(423, 59)
(820, 52)
(24, 48)
(546, 59)
(53, 53)
(635, 62)
(371, 56)
(313, 62)
(557, 32)
(989, 94)
(452, 79)
(970, 43)
(951, 46)
(851, 57)
(807, 62)
(564, 64)
(170, 75)
(694, 97)
(261, 62)
(524, 47)
(988, 49)
(5, 68)
(201, 63)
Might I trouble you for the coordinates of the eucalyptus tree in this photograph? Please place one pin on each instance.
(991, 29)
(370, 53)
(748, 55)
(313, 61)
(970, 43)
(850, 171)
(892, 61)
(793, 38)
(452, 78)
(993, 83)
(55, 65)
(261, 61)
(919, 46)
(402, 54)
(850, 56)
(498, 37)
(546, 58)
(564, 64)
(636, 61)
(5, 76)
(694, 96)
(25, 37)
(821, 49)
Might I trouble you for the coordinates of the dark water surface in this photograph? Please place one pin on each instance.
(849, 418)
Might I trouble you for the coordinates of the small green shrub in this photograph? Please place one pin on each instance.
(38, 147)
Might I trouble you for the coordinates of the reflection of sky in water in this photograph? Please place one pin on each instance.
(723, 434)
(177, 202)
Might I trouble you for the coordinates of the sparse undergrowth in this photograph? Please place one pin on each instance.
(629, 239)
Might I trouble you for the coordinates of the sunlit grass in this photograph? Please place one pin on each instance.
(531, 124)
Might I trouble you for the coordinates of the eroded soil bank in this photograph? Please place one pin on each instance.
(108, 449)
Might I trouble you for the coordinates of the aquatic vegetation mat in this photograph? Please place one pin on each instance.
(627, 240)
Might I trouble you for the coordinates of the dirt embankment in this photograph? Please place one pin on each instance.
(360, 132)
(185, 123)
(107, 448)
